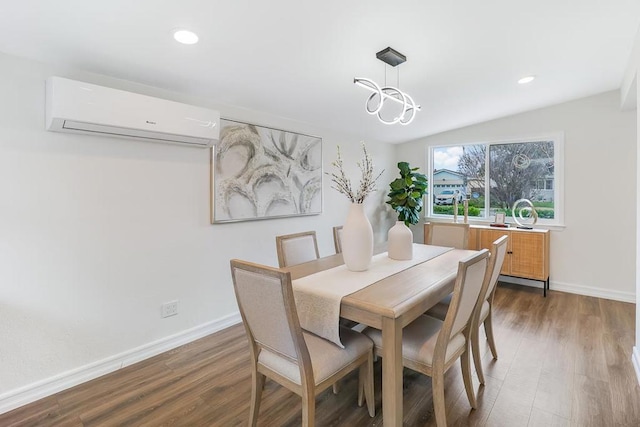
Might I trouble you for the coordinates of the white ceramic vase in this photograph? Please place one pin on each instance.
(357, 239)
(400, 242)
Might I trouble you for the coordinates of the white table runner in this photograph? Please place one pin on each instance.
(318, 296)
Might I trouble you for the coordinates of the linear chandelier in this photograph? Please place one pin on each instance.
(376, 101)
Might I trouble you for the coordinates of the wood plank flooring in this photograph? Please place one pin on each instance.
(564, 360)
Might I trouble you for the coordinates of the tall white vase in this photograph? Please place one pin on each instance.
(400, 242)
(357, 239)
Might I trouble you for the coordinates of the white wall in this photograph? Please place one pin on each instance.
(630, 94)
(96, 233)
(636, 348)
(629, 86)
(595, 253)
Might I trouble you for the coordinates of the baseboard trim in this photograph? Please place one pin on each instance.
(635, 358)
(575, 289)
(38, 390)
(594, 292)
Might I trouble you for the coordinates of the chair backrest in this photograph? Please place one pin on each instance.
(447, 234)
(297, 248)
(466, 292)
(267, 306)
(337, 238)
(498, 253)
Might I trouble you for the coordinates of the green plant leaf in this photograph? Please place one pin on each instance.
(406, 195)
(404, 168)
(397, 184)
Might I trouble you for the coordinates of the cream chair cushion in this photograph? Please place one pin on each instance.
(439, 311)
(326, 357)
(419, 340)
(297, 248)
(447, 234)
(337, 238)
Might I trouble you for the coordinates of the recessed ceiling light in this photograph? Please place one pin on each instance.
(527, 79)
(185, 36)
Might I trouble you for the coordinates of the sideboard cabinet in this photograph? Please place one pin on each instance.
(527, 251)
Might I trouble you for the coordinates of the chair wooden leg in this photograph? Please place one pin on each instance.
(368, 387)
(308, 410)
(465, 362)
(256, 396)
(362, 374)
(488, 328)
(439, 408)
(477, 360)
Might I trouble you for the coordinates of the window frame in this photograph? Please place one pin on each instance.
(558, 177)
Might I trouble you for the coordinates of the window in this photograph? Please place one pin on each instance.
(493, 176)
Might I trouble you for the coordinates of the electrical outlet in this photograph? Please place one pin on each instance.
(169, 309)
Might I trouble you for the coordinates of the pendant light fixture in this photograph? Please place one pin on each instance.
(402, 105)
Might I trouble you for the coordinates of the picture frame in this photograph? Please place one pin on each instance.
(500, 218)
(258, 172)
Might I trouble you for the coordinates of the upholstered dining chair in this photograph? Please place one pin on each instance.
(484, 309)
(431, 346)
(282, 351)
(303, 247)
(447, 234)
(337, 238)
(297, 248)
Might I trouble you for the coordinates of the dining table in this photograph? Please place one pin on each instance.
(389, 304)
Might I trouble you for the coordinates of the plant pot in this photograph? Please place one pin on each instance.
(400, 242)
(357, 239)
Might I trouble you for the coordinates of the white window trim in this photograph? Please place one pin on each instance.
(557, 223)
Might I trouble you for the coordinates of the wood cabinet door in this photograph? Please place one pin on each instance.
(527, 255)
(474, 239)
(487, 237)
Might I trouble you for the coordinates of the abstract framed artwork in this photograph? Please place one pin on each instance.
(259, 172)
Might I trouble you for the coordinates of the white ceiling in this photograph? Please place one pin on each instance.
(297, 58)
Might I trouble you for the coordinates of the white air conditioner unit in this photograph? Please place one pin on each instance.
(78, 107)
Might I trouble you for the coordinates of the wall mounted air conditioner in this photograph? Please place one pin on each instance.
(78, 107)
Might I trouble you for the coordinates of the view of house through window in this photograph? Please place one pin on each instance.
(493, 176)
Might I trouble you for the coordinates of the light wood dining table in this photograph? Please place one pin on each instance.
(389, 305)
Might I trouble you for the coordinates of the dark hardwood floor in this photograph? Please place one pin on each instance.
(564, 360)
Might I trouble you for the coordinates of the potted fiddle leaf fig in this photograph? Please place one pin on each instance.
(406, 194)
(405, 198)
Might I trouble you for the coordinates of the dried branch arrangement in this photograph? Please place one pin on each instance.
(341, 183)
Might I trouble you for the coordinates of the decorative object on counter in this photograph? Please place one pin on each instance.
(455, 209)
(499, 221)
(357, 234)
(259, 172)
(527, 221)
(465, 204)
(406, 198)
